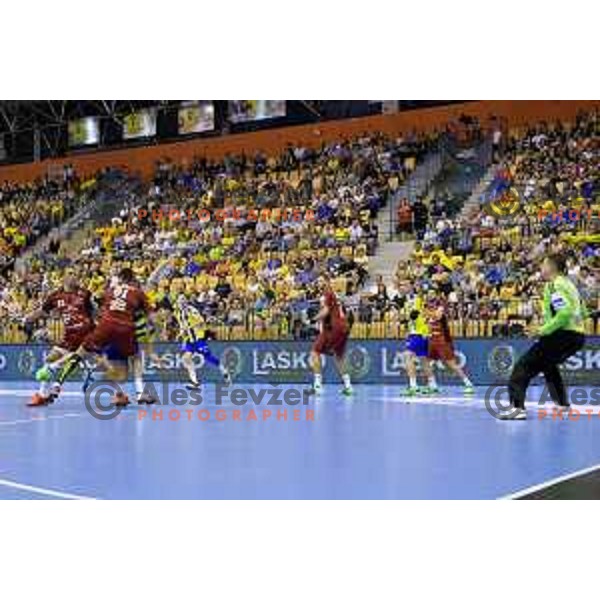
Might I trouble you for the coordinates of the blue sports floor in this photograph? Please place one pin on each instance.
(375, 446)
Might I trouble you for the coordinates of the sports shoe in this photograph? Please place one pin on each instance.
(315, 390)
(193, 387)
(227, 378)
(38, 400)
(410, 391)
(468, 389)
(120, 399)
(517, 414)
(347, 391)
(428, 391)
(146, 399)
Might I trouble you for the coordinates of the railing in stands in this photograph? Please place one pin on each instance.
(483, 319)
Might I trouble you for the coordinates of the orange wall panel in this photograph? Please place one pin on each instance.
(142, 159)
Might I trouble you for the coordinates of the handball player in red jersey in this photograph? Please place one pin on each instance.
(332, 339)
(73, 305)
(115, 333)
(441, 346)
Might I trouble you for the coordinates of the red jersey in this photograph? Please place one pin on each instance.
(74, 308)
(336, 319)
(437, 321)
(122, 302)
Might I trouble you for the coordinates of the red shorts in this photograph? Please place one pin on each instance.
(73, 338)
(331, 342)
(441, 349)
(117, 339)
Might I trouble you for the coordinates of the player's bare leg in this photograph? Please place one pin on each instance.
(340, 364)
(137, 368)
(58, 369)
(117, 372)
(48, 391)
(58, 366)
(187, 360)
(315, 365)
(209, 358)
(460, 372)
(431, 387)
(83, 358)
(410, 362)
(214, 361)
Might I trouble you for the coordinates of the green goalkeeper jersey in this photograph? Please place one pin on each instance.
(563, 308)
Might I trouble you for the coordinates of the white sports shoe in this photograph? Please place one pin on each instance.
(517, 414)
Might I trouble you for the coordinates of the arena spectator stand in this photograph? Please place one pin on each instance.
(255, 279)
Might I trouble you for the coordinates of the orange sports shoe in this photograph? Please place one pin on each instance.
(120, 399)
(38, 400)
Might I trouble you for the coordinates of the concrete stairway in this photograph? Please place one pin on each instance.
(75, 234)
(472, 204)
(390, 252)
(415, 185)
(385, 261)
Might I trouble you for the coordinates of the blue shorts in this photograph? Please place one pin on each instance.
(197, 347)
(113, 355)
(417, 344)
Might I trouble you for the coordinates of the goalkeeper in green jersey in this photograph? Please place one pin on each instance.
(561, 335)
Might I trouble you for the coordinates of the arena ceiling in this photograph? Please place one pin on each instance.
(39, 129)
(22, 115)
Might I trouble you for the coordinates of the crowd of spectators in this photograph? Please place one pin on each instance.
(254, 278)
(487, 264)
(251, 277)
(30, 211)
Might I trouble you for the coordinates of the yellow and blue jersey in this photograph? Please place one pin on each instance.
(190, 322)
(142, 329)
(418, 325)
(192, 332)
(418, 333)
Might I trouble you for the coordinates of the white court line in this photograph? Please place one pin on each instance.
(42, 491)
(41, 418)
(432, 400)
(7, 392)
(549, 483)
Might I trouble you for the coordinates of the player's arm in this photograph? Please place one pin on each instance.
(141, 302)
(90, 307)
(105, 299)
(547, 313)
(33, 316)
(438, 312)
(416, 309)
(323, 313)
(46, 307)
